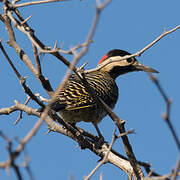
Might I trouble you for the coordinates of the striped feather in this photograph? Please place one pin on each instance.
(75, 96)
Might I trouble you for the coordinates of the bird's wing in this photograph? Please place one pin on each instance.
(74, 96)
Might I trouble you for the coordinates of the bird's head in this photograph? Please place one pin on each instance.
(112, 63)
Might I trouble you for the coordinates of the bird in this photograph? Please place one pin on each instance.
(75, 104)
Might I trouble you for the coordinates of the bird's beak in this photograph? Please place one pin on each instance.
(142, 67)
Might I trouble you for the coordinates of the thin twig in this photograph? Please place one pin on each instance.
(12, 42)
(27, 19)
(120, 124)
(17, 171)
(23, 56)
(44, 81)
(104, 160)
(20, 114)
(113, 158)
(26, 165)
(36, 2)
(21, 79)
(157, 39)
(176, 170)
(17, 107)
(166, 116)
(77, 56)
(38, 63)
(10, 161)
(42, 98)
(70, 51)
(35, 41)
(71, 66)
(29, 135)
(140, 52)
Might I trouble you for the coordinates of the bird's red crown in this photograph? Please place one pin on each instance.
(103, 58)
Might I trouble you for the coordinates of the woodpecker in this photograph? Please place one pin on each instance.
(75, 104)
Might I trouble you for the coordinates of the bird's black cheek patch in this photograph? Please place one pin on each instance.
(118, 70)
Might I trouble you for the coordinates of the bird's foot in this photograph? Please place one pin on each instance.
(99, 142)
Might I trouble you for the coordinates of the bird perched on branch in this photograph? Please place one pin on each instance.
(75, 104)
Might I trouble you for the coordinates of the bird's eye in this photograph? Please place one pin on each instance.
(130, 60)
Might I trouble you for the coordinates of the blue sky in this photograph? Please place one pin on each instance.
(128, 25)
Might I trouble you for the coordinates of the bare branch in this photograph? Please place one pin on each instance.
(140, 52)
(27, 19)
(10, 161)
(38, 63)
(120, 124)
(20, 114)
(156, 40)
(132, 167)
(27, 167)
(105, 158)
(134, 163)
(175, 173)
(166, 117)
(12, 42)
(17, 107)
(71, 67)
(131, 131)
(114, 158)
(21, 79)
(70, 51)
(92, 30)
(35, 41)
(10, 62)
(167, 114)
(27, 138)
(44, 81)
(17, 171)
(36, 2)
(23, 56)
(42, 98)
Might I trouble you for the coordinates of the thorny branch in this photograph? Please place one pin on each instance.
(114, 157)
(23, 56)
(22, 25)
(105, 158)
(166, 117)
(120, 124)
(120, 162)
(140, 52)
(10, 162)
(35, 3)
(21, 112)
(176, 170)
(21, 79)
(44, 81)
(44, 114)
(128, 148)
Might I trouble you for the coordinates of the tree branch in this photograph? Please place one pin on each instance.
(176, 170)
(166, 117)
(140, 52)
(36, 3)
(21, 79)
(37, 44)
